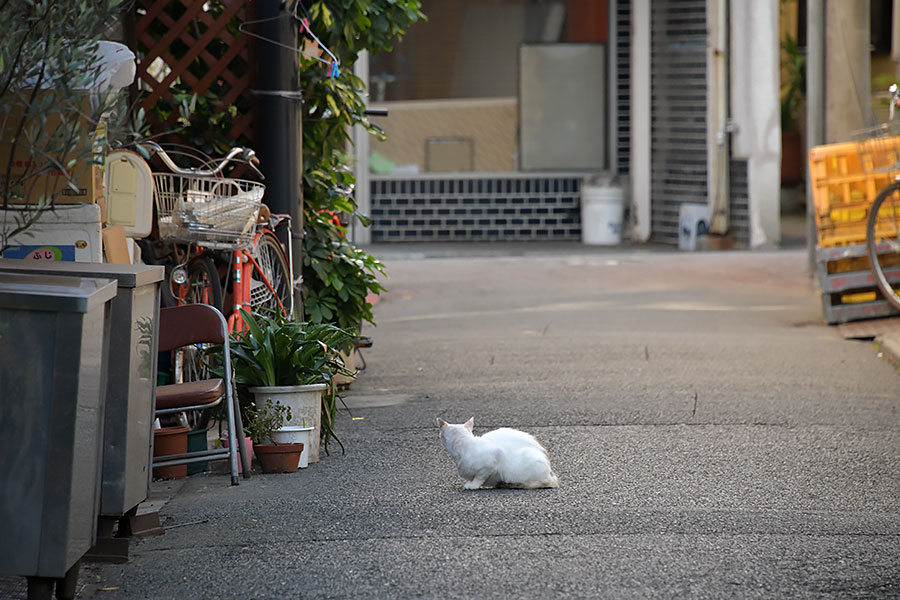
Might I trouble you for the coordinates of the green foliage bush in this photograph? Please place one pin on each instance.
(338, 276)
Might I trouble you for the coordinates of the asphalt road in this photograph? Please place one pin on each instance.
(712, 436)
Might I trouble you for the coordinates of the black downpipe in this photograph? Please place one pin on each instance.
(277, 120)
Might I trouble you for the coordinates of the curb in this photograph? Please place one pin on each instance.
(890, 346)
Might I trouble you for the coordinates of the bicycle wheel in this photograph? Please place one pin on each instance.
(273, 268)
(203, 285)
(883, 242)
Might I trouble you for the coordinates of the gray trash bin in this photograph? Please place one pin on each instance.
(53, 345)
(131, 382)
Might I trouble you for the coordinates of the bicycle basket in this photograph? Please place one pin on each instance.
(879, 148)
(206, 209)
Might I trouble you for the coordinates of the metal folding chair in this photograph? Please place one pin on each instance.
(181, 326)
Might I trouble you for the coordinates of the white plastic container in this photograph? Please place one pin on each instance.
(602, 211)
(292, 434)
(68, 232)
(305, 402)
(693, 220)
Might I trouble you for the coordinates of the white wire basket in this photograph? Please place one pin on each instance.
(879, 148)
(214, 210)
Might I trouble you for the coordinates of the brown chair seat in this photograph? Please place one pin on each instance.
(192, 393)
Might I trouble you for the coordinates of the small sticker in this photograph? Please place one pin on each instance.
(81, 244)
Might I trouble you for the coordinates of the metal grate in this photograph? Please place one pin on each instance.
(500, 208)
(739, 203)
(622, 79)
(678, 112)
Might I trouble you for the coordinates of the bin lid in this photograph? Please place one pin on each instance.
(127, 276)
(52, 293)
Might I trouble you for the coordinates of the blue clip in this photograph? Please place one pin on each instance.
(334, 69)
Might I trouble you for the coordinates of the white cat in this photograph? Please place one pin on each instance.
(501, 458)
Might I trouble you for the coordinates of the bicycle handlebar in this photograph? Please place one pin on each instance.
(246, 154)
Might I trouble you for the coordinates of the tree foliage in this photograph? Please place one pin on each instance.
(48, 122)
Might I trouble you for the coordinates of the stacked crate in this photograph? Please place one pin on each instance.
(845, 178)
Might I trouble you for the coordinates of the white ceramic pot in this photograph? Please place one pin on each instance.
(292, 434)
(305, 402)
(349, 361)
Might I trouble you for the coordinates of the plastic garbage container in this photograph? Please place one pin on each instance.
(602, 212)
(131, 380)
(53, 343)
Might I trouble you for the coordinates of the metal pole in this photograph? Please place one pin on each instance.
(360, 234)
(641, 92)
(815, 106)
(277, 121)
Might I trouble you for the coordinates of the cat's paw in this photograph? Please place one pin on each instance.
(472, 485)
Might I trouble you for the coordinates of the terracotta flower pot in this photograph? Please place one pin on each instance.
(792, 157)
(278, 458)
(166, 441)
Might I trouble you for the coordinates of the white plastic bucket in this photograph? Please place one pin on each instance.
(292, 434)
(305, 402)
(693, 220)
(602, 210)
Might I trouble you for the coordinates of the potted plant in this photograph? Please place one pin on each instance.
(261, 426)
(793, 94)
(293, 364)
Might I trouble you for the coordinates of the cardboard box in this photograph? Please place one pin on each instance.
(88, 177)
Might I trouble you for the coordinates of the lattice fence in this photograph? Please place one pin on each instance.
(192, 46)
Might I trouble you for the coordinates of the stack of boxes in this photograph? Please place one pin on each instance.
(845, 179)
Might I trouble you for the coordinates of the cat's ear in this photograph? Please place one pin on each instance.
(440, 422)
(470, 424)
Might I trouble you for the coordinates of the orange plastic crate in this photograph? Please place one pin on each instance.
(845, 178)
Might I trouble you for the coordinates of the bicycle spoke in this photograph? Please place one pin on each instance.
(269, 284)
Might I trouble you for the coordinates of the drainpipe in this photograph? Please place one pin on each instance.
(277, 121)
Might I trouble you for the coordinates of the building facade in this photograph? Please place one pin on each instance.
(500, 110)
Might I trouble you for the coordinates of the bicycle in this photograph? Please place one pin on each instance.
(218, 241)
(880, 152)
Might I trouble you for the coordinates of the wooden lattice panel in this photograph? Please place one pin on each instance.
(196, 50)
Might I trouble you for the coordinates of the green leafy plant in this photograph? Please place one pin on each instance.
(274, 351)
(338, 279)
(263, 422)
(203, 122)
(337, 275)
(793, 84)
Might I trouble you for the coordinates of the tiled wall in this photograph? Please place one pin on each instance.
(508, 207)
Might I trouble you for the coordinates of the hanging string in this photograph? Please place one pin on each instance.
(334, 70)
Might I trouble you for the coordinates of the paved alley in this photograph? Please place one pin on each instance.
(712, 436)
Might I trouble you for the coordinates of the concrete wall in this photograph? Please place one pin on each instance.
(847, 70)
(756, 110)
